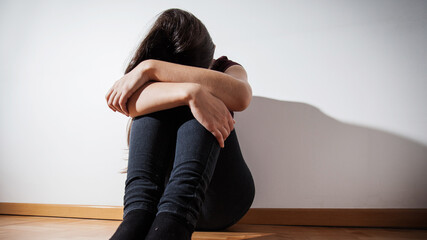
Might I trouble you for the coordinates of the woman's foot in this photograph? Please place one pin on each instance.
(134, 226)
(168, 226)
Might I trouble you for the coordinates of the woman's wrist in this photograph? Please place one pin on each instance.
(191, 91)
(145, 70)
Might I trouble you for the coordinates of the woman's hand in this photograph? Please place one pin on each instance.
(123, 88)
(212, 113)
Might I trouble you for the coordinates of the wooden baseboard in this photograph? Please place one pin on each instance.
(63, 210)
(342, 217)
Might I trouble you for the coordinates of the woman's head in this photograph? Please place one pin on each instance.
(176, 36)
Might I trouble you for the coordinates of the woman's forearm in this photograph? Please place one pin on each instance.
(235, 92)
(157, 96)
(207, 109)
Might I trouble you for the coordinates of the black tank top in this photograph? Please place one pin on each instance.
(221, 64)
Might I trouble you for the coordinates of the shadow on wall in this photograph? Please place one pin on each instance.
(302, 158)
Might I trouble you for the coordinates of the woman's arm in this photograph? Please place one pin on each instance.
(231, 87)
(157, 96)
(210, 111)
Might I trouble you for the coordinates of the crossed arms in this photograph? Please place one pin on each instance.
(156, 85)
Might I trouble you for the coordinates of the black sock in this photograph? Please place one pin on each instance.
(167, 226)
(134, 226)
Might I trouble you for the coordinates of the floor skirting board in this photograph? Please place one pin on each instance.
(348, 217)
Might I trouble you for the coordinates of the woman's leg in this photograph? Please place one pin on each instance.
(231, 190)
(196, 154)
(151, 150)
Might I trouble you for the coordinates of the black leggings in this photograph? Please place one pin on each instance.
(176, 165)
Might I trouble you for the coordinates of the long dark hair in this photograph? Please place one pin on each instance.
(176, 36)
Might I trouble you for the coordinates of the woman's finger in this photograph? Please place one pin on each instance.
(226, 126)
(110, 101)
(116, 103)
(111, 108)
(122, 103)
(225, 132)
(231, 124)
(219, 138)
(108, 93)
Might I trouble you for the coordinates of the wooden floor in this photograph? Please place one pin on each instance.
(49, 228)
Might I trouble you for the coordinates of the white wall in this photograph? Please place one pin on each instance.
(339, 121)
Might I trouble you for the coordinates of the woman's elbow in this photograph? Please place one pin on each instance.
(131, 107)
(132, 113)
(244, 99)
